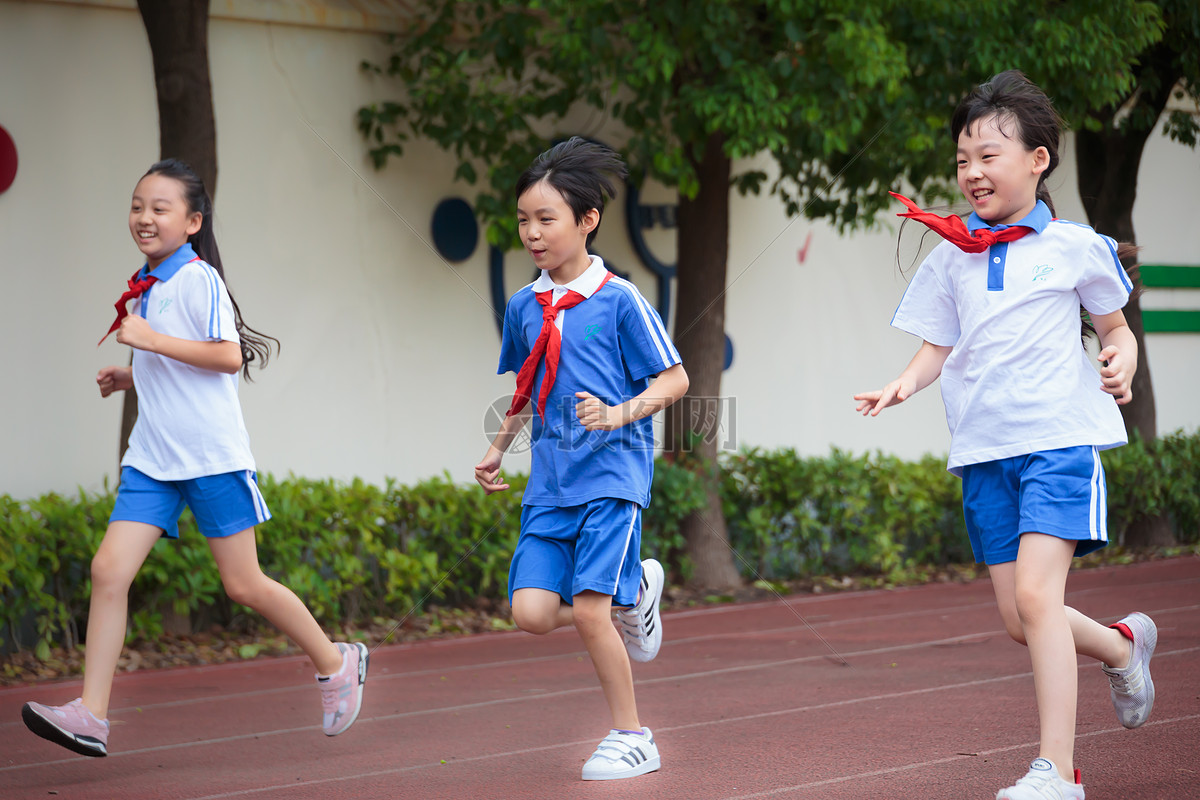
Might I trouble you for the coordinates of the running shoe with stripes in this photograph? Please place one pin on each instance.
(1132, 689)
(342, 692)
(641, 626)
(1043, 782)
(622, 755)
(72, 726)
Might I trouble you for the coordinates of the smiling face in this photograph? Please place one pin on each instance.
(557, 243)
(996, 174)
(159, 218)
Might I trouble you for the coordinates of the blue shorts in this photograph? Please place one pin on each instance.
(592, 547)
(222, 504)
(1056, 492)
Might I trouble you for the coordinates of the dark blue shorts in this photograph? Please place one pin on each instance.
(1056, 492)
(591, 547)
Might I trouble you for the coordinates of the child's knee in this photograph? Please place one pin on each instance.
(246, 590)
(1012, 623)
(534, 618)
(109, 572)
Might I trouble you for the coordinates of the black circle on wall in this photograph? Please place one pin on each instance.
(455, 231)
(8, 160)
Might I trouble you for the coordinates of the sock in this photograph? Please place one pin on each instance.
(1123, 629)
(635, 733)
(342, 652)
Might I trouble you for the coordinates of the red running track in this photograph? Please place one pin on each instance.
(933, 702)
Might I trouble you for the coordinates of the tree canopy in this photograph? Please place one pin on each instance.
(848, 99)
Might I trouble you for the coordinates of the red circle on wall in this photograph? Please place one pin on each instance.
(8, 160)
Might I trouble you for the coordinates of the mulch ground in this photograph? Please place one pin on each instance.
(249, 638)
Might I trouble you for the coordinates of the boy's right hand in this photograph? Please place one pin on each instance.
(114, 379)
(487, 472)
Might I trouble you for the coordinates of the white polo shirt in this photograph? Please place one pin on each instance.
(189, 419)
(1019, 380)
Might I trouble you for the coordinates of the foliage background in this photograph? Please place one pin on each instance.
(362, 555)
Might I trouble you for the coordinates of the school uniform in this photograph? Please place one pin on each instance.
(190, 423)
(1018, 381)
(581, 516)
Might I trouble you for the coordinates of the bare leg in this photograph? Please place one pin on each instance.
(1092, 638)
(245, 583)
(1030, 592)
(540, 611)
(593, 620)
(117, 561)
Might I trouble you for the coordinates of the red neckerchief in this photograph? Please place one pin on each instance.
(548, 344)
(955, 231)
(136, 288)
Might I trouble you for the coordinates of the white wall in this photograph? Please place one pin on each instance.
(389, 354)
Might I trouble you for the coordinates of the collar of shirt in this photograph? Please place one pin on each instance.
(586, 284)
(1037, 220)
(167, 269)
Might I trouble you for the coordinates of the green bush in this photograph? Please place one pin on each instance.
(1159, 478)
(790, 516)
(355, 551)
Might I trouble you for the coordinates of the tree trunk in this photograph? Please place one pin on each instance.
(1107, 162)
(692, 424)
(178, 36)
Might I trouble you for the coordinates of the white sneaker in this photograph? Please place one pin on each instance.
(641, 626)
(623, 755)
(1043, 782)
(1132, 688)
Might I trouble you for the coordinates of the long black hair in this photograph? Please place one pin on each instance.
(580, 171)
(256, 345)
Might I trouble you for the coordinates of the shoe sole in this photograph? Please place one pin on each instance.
(649, 765)
(364, 658)
(1148, 647)
(52, 733)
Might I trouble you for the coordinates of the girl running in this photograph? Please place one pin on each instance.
(188, 447)
(997, 307)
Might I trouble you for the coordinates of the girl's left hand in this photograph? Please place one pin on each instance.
(595, 415)
(1115, 377)
(135, 332)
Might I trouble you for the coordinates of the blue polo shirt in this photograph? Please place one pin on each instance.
(613, 344)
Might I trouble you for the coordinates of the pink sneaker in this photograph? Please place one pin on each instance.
(342, 692)
(72, 726)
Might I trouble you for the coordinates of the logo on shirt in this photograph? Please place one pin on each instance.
(162, 304)
(1041, 272)
(591, 331)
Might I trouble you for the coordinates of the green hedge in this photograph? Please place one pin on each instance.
(357, 551)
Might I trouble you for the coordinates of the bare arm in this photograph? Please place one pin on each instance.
(1119, 354)
(667, 387)
(222, 356)
(487, 471)
(923, 370)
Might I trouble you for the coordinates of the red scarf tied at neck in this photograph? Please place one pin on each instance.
(135, 289)
(955, 231)
(548, 344)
